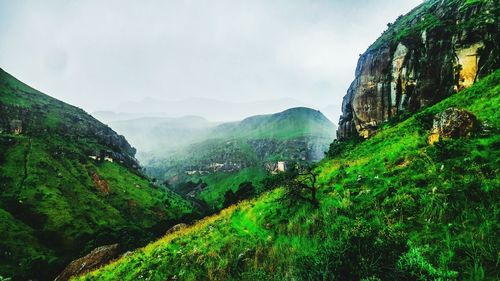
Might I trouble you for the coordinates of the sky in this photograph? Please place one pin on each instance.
(99, 55)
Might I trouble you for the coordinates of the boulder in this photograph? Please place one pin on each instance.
(175, 228)
(452, 123)
(96, 258)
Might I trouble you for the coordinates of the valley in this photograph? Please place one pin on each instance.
(219, 157)
(406, 187)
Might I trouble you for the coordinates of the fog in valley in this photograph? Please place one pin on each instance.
(222, 60)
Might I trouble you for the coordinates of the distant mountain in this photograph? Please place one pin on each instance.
(163, 136)
(291, 123)
(107, 117)
(57, 200)
(228, 154)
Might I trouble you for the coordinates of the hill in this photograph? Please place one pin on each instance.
(289, 124)
(237, 152)
(57, 201)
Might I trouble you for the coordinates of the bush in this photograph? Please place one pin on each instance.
(414, 263)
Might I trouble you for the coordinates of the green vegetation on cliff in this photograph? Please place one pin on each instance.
(391, 208)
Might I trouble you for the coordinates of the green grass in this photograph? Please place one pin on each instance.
(392, 208)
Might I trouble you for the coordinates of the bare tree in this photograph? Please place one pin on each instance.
(300, 183)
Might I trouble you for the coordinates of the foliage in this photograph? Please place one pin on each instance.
(339, 147)
(301, 180)
(246, 190)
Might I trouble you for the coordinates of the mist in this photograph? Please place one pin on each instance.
(132, 56)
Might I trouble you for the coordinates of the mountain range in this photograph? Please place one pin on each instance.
(211, 109)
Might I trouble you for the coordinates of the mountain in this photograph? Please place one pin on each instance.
(226, 155)
(438, 48)
(416, 198)
(68, 184)
(291, 123)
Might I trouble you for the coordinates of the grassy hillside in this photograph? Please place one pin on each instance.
(56, 202)
(391, 208)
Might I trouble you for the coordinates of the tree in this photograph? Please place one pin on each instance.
(229, 198)
(302, 180)
(245, 190)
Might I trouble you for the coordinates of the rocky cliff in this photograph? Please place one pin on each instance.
(437, 49)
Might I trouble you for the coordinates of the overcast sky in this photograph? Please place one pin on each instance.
(97, 54)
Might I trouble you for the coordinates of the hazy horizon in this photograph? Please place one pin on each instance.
(100, 56)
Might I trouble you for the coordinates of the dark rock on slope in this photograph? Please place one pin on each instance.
(435, 50)
(452, 123)
(96, 258)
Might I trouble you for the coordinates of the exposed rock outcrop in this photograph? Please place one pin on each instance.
(452, 123)
(96, 258)
(176, 228)
(437, 49)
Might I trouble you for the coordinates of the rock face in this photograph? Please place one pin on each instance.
(310, 149)
(98, 257)
(452, 123)
(435, 50)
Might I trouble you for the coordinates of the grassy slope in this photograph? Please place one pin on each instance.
(392, 208)
(51, 211)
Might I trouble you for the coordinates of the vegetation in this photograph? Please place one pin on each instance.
(220, 183)
(57, 203)
(391, 208)
(427, 18)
